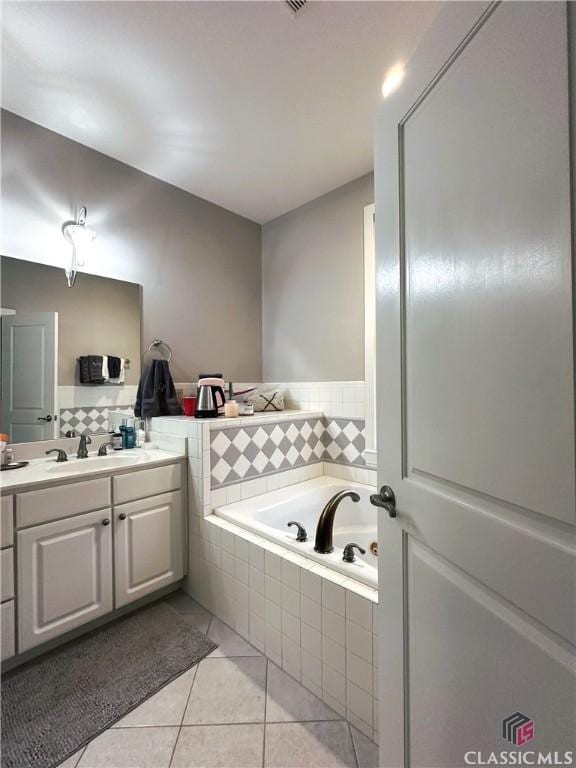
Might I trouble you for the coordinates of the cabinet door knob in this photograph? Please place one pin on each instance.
(122, 516)
(105, 521)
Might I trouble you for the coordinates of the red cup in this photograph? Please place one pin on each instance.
(189, 405)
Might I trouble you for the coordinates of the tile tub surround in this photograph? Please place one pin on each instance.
(317, 625)
(337, 399)
(296, 612)
(246, 452)
(203, 497)
(242, 453)
(267, 516)
(197, 433)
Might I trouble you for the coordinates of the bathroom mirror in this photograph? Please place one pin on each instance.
(46, 328)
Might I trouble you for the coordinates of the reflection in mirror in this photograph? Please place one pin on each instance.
(70, 356)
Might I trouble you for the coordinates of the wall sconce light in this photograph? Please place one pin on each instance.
(80, 236)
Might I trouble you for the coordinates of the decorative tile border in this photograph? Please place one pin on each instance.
(344, 441)
(87, 419)
(243, 453)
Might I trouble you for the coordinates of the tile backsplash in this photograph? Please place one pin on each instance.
(344, 441)
(85, 408)
(247, 452)
(338, 399)
(101, 396)
(87, 419)
(242, 453)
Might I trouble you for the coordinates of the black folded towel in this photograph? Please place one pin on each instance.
(114, 366)
(156, 392)
(91, 369)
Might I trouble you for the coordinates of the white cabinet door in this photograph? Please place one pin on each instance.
(148, 546)
(64, 576)
(7, 645)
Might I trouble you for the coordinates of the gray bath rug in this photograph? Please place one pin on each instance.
(54, 705)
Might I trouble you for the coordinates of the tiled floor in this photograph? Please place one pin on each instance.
(235, 709)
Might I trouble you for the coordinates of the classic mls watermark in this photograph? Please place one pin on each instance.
(519, 729)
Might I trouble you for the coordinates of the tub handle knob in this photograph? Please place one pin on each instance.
(301, 535)
(349, 556)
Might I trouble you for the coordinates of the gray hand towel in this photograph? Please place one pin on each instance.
(156, 392)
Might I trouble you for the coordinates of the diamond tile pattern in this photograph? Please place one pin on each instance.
(92, 419)
(243, 453)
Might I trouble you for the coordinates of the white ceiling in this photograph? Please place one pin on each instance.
(238, 102)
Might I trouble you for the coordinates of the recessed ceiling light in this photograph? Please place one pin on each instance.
(393, 80)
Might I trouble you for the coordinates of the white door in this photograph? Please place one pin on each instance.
(29, 371)
(476, 394)
(148, 546)
(64, 576)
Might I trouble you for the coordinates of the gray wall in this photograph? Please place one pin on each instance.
(99, 316)
(312, 288)
(199, 264)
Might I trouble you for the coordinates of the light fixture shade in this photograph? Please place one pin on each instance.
(80, 236)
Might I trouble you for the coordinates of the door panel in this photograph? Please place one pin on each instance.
(29, 371)
(489, 293)
(476, 422)
(64, 576)
(479, 645)
(148, 546)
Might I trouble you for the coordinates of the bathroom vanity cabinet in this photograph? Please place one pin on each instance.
(84, 549)
(7, 614)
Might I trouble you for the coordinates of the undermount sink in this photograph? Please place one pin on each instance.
(90, 464)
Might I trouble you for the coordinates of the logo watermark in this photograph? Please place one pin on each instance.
(519, 729)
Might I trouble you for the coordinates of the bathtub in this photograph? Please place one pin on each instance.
(268, 515)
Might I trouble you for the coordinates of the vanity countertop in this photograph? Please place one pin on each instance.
(50, 472)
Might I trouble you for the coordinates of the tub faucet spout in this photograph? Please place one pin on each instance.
(325, 526)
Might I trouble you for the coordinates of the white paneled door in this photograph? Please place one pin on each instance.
(29, 374)
(475, 360)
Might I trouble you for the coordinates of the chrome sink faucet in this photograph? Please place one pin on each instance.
(82, 447)
(324, 544)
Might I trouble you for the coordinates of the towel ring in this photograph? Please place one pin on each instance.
(159, 343)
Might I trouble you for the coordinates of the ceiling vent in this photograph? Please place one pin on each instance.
(295, 5)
